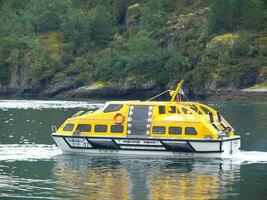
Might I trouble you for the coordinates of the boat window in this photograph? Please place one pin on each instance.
(68, 127)
(101, 128)
(175, 130)
(161, 109)
(172, 109)
(206, 111)
(84, 127)
(222, 125)
(190, 131)
(112, 108)
(194, 108)
(116, 129)
(186, 111)
(215, 127)
(159, 129)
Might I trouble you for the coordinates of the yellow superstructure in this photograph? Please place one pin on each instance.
(173, 119)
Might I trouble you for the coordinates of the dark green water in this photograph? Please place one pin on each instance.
(31, 167)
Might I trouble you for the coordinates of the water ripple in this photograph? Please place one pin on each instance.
(41, 104)
(248, 157)
(29, 152)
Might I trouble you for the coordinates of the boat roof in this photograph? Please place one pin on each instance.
(149, 103)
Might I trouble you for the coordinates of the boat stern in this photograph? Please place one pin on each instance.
(231, 145)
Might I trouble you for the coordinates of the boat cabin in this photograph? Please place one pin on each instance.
(149, 127)
(149, 119)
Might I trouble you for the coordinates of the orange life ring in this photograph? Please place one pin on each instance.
(118, 118)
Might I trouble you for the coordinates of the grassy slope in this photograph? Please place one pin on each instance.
(151, 45)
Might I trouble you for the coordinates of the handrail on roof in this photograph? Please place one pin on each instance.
(173, 92)
(193, 112)
(159, 95)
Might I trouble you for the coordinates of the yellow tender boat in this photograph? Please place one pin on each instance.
(149, 128)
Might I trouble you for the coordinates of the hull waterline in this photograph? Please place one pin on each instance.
(147, 147)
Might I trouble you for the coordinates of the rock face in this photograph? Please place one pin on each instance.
(125, 90)
(55, 89)
(18, 86)
(134, 90)
(16, 82)
(133, 15)
(249, 78)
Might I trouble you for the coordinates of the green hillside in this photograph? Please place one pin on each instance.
(87, 48)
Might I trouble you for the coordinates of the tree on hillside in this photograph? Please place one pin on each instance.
(151, 19)
(86, 29)
(101, 25)
(49, 13)
(15, 23)
(75, 27)
(176, 65)
(229, 15)
(140, 57)
(145, 58)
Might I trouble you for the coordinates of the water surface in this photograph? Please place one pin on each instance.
(31, 166)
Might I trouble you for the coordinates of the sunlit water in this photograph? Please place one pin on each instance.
(32, 167)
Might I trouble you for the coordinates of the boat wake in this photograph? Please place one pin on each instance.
(14, 152)
(33, 152)
(41, 104)
(249, 157)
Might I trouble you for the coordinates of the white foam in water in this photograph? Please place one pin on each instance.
(249, 157)
(11, 152)
(14, 152)
(40, 104)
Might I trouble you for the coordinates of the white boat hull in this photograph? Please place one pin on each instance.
(147, 147)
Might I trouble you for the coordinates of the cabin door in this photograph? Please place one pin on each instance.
(139, 120)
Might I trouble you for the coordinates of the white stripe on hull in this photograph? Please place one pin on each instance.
(142, 147)
(207, 148)
(139, 142)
